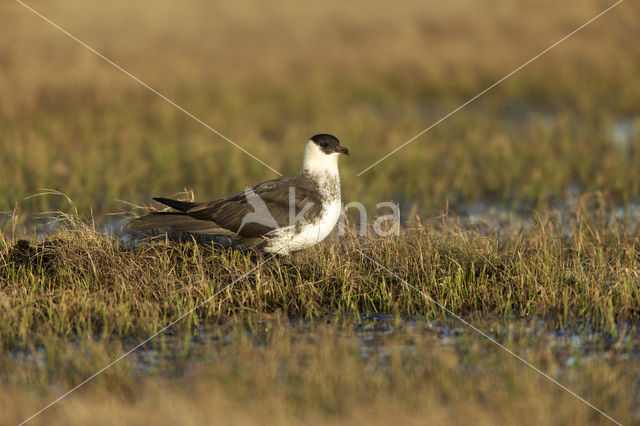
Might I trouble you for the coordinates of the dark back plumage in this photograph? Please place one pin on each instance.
(227, 216)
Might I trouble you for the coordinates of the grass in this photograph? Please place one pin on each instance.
(567, 266)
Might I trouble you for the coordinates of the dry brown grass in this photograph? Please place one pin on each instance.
(434, 46)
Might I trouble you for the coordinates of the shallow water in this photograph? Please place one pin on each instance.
(578, 345)
(481, 216)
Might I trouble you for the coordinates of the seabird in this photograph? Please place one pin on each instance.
(277, 216)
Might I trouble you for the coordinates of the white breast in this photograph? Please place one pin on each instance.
(294, 238)
(291, 239)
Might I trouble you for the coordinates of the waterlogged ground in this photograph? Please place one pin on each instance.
(481, 216)
(339, 371)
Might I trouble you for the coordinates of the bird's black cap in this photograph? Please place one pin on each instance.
(329, 144)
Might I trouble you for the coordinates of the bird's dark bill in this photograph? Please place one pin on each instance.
(342, 150)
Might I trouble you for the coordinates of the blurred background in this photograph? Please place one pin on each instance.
(268, 76)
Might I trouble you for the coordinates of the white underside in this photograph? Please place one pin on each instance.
(289, 239)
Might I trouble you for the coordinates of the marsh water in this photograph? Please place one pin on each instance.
(375, 337)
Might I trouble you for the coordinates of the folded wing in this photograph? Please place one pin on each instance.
(240, 216)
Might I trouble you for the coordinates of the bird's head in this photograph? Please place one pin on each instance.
(321, 153)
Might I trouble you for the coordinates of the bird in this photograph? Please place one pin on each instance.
(277, 216)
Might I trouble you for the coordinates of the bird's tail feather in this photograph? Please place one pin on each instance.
(183, 206)
(179, 222)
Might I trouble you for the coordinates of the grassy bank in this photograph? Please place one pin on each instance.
(567, 266)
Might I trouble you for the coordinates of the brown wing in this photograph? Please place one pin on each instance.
(261, 208)
(248, 216)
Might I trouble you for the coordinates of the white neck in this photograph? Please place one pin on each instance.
(316, 162)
